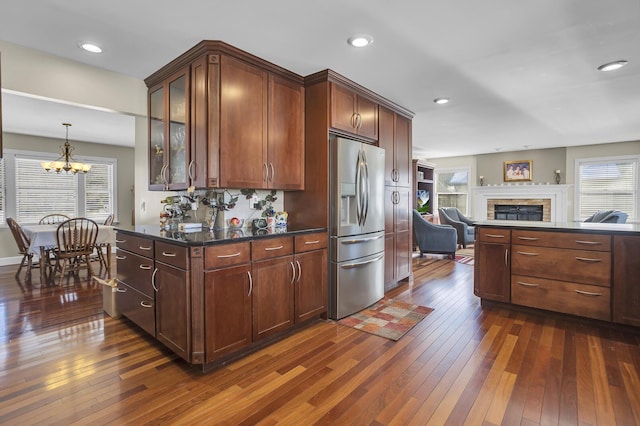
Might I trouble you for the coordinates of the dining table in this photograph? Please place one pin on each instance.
(43, 238)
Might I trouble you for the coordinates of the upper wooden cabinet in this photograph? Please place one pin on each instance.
(395, 138)
(353, 113)
(243, 121)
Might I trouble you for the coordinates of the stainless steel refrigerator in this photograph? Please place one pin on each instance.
(356, 226)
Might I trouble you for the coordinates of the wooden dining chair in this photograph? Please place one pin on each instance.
(53, 218)
(76, 240)
(101, 256)
(23, 246)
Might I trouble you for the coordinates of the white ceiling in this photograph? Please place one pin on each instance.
(520, 75)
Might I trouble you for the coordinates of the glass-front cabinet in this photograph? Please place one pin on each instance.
(169, 133)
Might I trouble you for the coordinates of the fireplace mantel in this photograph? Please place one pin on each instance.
(557, 194)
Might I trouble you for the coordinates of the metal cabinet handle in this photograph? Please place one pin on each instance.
(120, 257)
(191, 167)
(587, 293)
(528, 284)
(299, 270)
(272, 248)
(144, 248)
(169, 254)
(145, 267)
(121, 290)
(146, 304)
(293, 272)
(224, 256)
(312, 242)
(529, 238)
(250, 283)
(587, 259)
(506, 257)
(526, 253)
(120, 241)
(273, 172)
(153, 280)
(588, 242)
(494, 236)
(266, 172)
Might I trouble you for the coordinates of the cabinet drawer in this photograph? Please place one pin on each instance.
(135, 271)
(271, 247)
(494, 235)
(222, 255)
(132, 243)
(310, 242)
(589, 267)
(137, 307)
(172, 254)
(567, 297)
(576, 241)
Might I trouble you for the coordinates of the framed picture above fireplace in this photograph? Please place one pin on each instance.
(518, 171)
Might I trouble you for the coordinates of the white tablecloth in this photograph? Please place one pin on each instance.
(45, 236)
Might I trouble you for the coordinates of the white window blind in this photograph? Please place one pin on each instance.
(39, 193)
(608, 184)
(98, 184)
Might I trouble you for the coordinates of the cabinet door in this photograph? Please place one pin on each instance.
(626, 291)
(156, 138)
(198, 167)
(492, 272)
(403, 255)
(403, 151)
(390, 261)
(386, 141)
(178, 131)
(173, 322)
(311, 285)
(367, 118)
(343, 108)
(272, 296)
(227, 301)
(402, 209)
(285, 134)
(243, 125)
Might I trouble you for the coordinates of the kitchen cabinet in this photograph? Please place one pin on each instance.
(244, 121)
(311, 279)
(273, 272)
(135, 293)
(492, 279)
(626, 291)
(169, 133)
(395, 138)
(353, 112)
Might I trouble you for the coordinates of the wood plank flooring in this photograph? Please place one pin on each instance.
(65, 362)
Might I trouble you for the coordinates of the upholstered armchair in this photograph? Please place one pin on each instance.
(432, 238)
(607, 216)
(466, 231)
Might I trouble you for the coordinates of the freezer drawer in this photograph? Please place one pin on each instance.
(356, 284)
(356, 246)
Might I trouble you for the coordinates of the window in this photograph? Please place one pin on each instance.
(3, 216)
(607, 184)
(452, 189)
(30, 192)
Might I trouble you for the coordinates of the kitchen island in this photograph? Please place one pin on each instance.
(583, 269)
(214, 296)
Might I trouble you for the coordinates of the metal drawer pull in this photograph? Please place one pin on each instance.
(528, 284)
(169, 254)
(495, 236)
(588, 242)
(366, 262)
(588, 293)
(526, 253)
(146, 304)
(529, 238)
(587, 259)
(121, 241)
(120, 257)
(145, 267)
(273, 248)
(144, 248)
(121, 290)
(224, 256)
(312, 242)
(362, 240)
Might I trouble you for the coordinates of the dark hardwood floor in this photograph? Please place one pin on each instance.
(65, 362)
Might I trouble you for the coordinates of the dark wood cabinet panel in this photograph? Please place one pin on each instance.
(368, 116)
(390, 281)
(626, 287)
(136, 306)
(403, 151)
(273, 296)
(353, 113)
(173, 325)
(403, 254)
(227, 301)
(135, 270)
(492, 272)
(311, 285)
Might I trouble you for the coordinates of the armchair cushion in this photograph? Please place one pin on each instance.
(432, 238)
(607, 216)
(464, 226)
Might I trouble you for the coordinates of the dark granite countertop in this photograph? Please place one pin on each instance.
(606, 228)
(207, 237)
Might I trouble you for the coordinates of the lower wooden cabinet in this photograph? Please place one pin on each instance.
(492, 265)
(626, 289)
(311, 285)
(137, 306)
(172, 308)
(273, 288)
(227, 300)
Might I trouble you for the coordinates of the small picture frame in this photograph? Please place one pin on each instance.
(518, 171)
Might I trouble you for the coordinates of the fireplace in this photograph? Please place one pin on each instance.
(518, 212)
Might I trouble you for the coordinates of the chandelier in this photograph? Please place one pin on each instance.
(66, 161)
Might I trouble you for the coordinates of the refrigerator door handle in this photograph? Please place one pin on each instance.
(357, 264)
(367, 189)
(358, 191)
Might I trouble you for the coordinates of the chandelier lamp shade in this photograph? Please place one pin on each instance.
(66, 161)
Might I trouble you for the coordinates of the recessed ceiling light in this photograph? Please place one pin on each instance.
(360, 40)
(612, 66)
(90, 47)
(441, 101)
